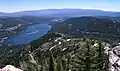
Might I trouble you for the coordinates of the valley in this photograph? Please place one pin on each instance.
(60, 35)
(82, 43)
(14, 26)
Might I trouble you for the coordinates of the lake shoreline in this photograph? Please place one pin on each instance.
(44, 31)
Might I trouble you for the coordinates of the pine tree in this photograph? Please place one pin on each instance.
(44, 65)
(101, 57)
(68, 61)
(60, 65)
(52, 65)
(81, 60)
(86, 58)
(64, 63)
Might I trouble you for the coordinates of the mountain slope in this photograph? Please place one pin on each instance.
(88, 26)
(58, 52)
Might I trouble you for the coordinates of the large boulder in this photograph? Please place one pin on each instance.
(114, 58)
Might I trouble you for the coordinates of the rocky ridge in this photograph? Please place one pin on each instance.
(113, 52)
(68, 53)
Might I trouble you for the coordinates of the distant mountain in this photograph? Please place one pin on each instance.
(108, 17)
(62, 13)
(4, 14)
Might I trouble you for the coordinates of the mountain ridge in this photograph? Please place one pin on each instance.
(88, 26)
(62, 13)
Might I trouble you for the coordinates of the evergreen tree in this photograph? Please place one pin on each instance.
(60, 65)
(101, 57)
(87, 58)
(52, 65)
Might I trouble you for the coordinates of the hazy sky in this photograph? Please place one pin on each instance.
(20, 5)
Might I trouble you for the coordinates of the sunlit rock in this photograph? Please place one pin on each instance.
(10, 68)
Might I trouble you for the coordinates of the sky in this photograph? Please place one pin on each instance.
(10, 6)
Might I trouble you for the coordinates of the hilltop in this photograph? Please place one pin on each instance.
(64, 51)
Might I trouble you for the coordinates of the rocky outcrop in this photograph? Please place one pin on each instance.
(66, 50)
(10, 68)
(113, 57)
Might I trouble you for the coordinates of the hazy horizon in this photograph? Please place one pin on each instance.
(58, 9)
(10, 6)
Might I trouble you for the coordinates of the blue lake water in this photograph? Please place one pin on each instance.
(33, 32)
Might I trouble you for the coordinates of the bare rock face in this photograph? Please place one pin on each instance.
(10, 68)
(114, 58)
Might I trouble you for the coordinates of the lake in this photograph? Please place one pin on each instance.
(33, 32)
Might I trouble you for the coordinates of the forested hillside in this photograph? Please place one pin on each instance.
(89, 26)
(76, 44)
(59, 52)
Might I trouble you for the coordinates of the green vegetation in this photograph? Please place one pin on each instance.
(91, 27)
(79, 54)
(13, 21)
(14, 25)
(75, 50)
(11, 54)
